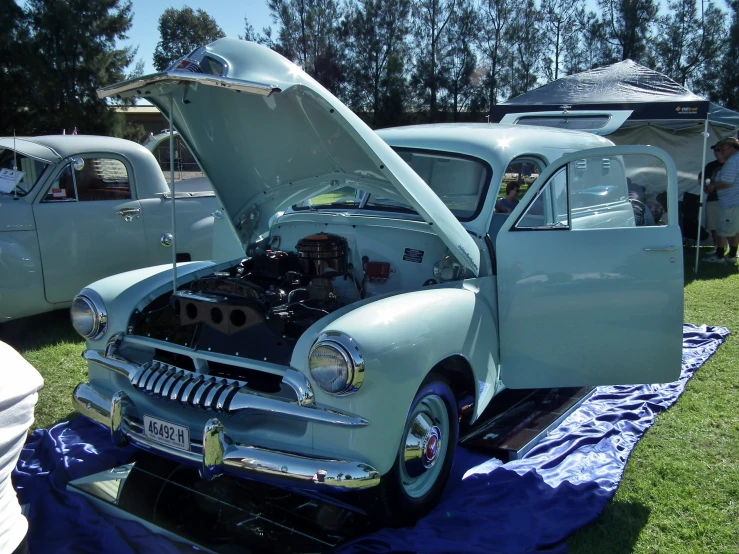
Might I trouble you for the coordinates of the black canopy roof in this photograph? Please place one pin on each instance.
(625, 85)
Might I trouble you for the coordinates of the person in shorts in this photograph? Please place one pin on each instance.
(727, 187)
(712, 207)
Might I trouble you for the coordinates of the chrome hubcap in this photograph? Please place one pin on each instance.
(431, 444)
(423, 450)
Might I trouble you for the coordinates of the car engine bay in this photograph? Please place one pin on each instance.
(273, 295)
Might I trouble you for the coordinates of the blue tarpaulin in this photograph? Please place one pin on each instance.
(523, 506)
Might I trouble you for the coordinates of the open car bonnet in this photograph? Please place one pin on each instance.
(269, 136)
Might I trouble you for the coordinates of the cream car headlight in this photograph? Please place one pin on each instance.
(88, 314)
(336, 364)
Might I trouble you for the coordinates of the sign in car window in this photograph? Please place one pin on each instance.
(9, 179)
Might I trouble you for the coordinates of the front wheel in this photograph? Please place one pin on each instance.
(425, 455)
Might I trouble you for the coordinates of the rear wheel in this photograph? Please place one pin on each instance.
(425, 455)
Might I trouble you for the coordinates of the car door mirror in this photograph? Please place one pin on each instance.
(78, 163)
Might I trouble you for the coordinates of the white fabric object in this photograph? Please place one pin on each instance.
(18, 397)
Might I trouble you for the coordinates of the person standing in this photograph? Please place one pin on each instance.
(18, 397)
(727, 187)
(712, 204)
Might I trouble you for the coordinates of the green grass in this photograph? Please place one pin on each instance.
(50, 344)
(680, 489)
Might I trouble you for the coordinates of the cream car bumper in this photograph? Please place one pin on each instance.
(218, 454)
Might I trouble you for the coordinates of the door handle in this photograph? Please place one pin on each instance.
(662, 249)
(128, 214)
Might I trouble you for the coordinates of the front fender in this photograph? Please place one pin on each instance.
(402, 337)
(21, 276)
(124, 292)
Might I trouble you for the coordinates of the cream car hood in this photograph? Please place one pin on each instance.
(268, 136)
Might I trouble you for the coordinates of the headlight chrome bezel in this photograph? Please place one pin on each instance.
(352, 355)
(99, 313)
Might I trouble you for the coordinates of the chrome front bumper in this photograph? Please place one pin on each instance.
(218, 454)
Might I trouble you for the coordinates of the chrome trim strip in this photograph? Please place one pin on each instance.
(220, 455)
(192, 386)
(185, 77)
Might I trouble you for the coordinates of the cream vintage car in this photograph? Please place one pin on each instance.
(378, 294)
(81, 207)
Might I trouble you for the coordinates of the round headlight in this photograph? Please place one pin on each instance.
(336, 364)
(88, 315)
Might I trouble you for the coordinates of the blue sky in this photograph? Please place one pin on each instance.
(229, 14)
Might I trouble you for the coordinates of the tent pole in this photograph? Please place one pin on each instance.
(171, 180)
(700, 204)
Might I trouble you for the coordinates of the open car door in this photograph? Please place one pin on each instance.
(590, 273)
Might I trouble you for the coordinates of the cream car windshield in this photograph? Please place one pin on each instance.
(24, 177)
(460, 182)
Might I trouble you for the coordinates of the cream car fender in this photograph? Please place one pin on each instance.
(125, 292)
(401, 339)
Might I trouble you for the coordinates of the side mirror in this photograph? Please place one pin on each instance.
(78, 163)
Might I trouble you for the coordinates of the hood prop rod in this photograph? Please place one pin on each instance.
(171, 180)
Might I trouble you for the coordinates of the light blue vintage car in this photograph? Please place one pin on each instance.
(82, 207)
(379, 294)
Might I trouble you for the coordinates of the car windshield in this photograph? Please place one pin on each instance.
(460, 182)
(27, 172)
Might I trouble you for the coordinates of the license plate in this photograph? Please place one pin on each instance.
(167, 433)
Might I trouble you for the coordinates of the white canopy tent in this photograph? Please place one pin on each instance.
(631, 104)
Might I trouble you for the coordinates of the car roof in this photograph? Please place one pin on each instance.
(68, 145)
(490, 140)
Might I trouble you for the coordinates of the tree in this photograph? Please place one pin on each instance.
(496, 16)
(687, 39)
(181, 32)
(628, 26)
(589, 48)
(562, 19)
(13, 74)
(374, 32)
(308, 31)
(430, 20)
(252, 36)
(67, 67)
(727, 93)
(525, 37)
(464, 80)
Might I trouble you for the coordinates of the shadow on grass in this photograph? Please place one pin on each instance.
(706, 270)
(614, 532)
(39, 331)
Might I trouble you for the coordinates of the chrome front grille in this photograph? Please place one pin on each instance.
(195, 389)
(292, 397)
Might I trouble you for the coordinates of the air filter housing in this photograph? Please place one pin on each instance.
(323, 254)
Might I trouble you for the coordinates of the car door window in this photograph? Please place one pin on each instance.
(102, 179)
(548, 210)
(62, 189)
(99, 179)
(601, 193)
